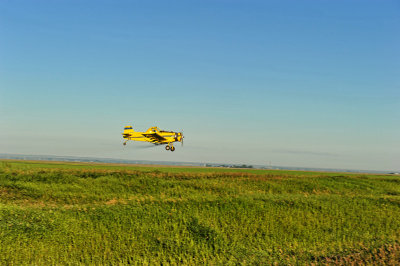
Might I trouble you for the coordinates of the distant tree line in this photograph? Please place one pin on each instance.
(242, 166)
(230, 165)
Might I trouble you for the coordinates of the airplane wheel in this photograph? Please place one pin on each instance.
(124, 143)
(167, 147)
(172, 148)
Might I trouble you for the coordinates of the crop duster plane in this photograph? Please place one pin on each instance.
(153, 135)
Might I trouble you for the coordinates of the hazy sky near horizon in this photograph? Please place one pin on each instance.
(291, 83)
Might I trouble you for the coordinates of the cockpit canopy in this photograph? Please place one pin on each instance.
(153, 129)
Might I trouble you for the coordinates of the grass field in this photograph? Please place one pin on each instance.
(71, 213)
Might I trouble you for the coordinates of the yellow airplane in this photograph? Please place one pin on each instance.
(153, 135)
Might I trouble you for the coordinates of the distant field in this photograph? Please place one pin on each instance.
(80, 213)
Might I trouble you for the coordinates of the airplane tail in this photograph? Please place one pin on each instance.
(127, 130)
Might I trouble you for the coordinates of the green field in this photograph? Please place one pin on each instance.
(71, 213)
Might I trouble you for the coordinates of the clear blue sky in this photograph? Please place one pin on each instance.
(291, 83)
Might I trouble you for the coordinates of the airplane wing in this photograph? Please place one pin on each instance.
(154, 137)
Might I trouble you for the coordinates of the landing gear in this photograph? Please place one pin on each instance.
(124, 143)
(169, 147)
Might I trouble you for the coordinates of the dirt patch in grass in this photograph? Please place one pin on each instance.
(388, 254)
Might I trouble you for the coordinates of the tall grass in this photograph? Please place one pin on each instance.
(73, 214)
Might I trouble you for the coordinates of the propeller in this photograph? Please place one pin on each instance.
(181, 133)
